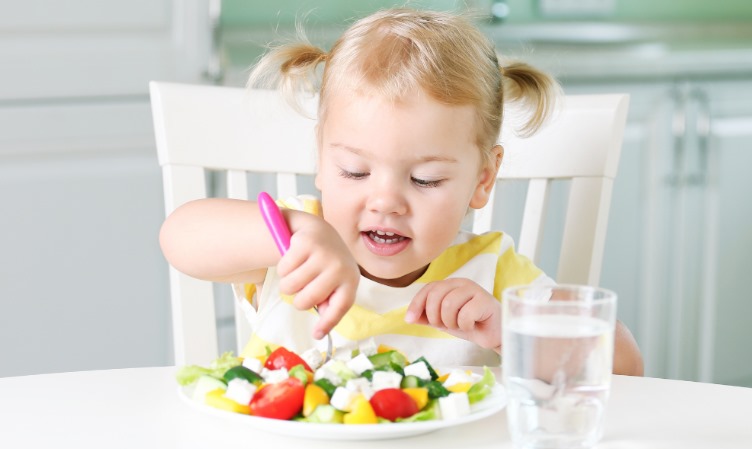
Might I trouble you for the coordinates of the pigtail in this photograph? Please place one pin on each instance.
(291, 68)
(533, 92)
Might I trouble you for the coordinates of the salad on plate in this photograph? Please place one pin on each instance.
(370, 385)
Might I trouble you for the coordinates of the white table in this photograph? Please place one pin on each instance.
(139, 408)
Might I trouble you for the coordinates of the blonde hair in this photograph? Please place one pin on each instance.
(396, 51)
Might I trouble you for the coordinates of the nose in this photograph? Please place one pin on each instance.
(388, 199)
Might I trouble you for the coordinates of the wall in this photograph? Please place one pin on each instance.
(242, 12)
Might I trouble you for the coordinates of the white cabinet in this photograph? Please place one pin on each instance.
(679, 231)
(83, 284)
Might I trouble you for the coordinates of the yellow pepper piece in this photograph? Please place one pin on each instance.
(362, 412)
(384, 348)
(314, 396)
(419, 395)
(217, 399)
(443, 377)
(461, 387)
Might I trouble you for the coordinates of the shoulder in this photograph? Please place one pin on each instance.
(494, 242)
(497, 249)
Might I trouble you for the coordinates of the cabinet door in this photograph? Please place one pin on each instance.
(727, 334)
(83, 284)
(699, 236)
(103, 49)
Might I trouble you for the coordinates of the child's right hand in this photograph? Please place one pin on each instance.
(319, 270)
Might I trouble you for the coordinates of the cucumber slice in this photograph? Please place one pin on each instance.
(387, 360)
(411, 382)
(205, 384)
(326, 414)
(242, 372)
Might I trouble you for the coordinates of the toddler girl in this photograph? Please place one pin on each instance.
(410, 110)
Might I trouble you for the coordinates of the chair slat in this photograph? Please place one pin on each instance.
(536, 204)
(287, 185)
(237, 184)
(237, 188)
(194, 326)
(585, 231)
(193, 318)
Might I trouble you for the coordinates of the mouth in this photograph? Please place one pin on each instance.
(384, 237)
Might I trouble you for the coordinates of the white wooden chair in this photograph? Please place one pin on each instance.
(243, 132)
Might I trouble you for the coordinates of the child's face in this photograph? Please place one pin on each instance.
(397, 178)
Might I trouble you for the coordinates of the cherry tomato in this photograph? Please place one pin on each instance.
(393, 403)
(281, 400)
(282, 358)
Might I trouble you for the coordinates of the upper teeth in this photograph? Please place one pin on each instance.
(385, 233)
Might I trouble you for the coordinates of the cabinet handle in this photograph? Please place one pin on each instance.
(702, 127)
(678, 133)
(214, 72)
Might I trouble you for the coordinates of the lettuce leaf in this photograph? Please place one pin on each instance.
(430, 412)
(189, 374)
(482, 388)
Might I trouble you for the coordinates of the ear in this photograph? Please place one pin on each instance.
(487, 178)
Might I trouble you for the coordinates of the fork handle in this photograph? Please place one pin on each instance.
(275, 222)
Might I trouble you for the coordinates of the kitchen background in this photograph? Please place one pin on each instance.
(83, 284)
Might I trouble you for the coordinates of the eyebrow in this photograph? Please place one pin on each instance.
(361, 152)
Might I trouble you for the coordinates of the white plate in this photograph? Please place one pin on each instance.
(494, 403)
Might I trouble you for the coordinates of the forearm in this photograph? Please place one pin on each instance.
(220, 240)
(627, 356)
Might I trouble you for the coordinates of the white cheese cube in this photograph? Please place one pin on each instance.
(343, 398)
(454, 406)
(343, 355)
(240, 391)
(313, 358)
(359, 364)
(386, 379)
(360, 385)
(272, 376)
(419, 370)
(458, 376)
(253, 364)
(325, 372)
(369, 347)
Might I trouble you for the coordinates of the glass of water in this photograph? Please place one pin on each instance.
(557, 357)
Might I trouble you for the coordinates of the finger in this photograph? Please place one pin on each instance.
(335, 307)
(414, 312)
(453, 302)
(291, 260)
(316, 291)
(480, 319)
(434, 303)
(322, 306)
(297, 278)
(470, 314)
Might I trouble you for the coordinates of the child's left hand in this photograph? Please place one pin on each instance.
(459, 307)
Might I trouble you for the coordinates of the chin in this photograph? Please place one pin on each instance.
(392, 277)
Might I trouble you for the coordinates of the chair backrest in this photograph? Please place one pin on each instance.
(244, 133)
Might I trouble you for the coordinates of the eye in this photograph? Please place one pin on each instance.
(352, 175)
(426, 182)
